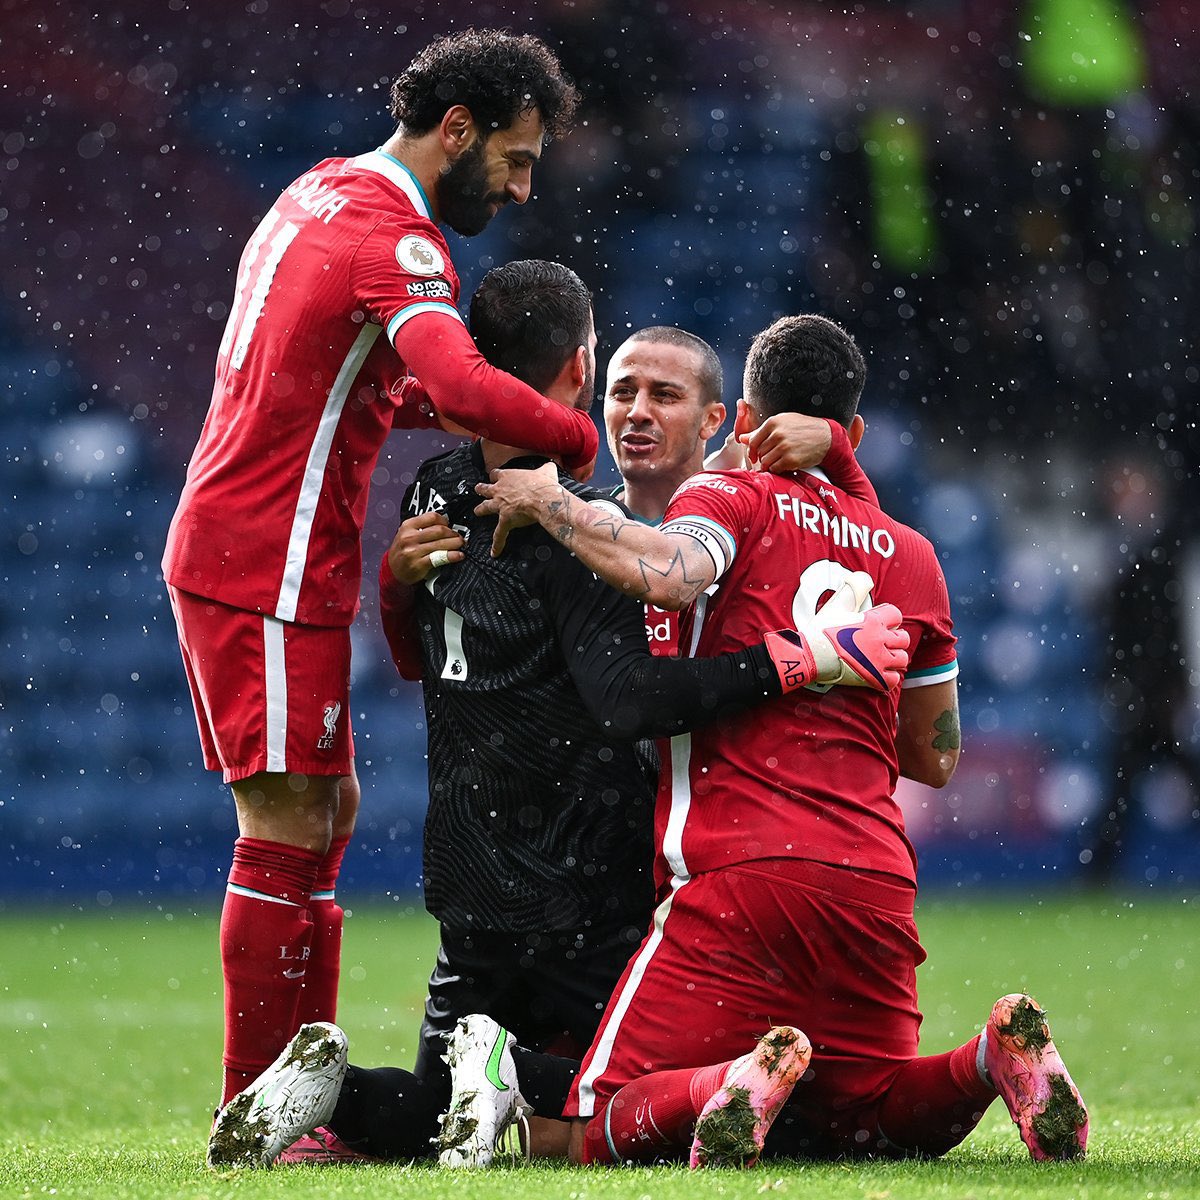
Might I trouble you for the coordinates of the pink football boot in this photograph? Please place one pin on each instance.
(733, 1124)
(321, 1148)
(1021, 1062)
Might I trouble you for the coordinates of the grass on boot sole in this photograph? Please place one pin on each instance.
(726, 1135)
(1057, 1126)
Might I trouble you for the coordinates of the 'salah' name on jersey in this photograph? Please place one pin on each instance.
(324, 203)
(317, 198)
(812, 518)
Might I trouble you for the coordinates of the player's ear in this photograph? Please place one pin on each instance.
(579, 366)
(745, 421)
(855, 433)
(457, 130)
(714, 417)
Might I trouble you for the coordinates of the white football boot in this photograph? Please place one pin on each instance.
(485, 1101)
(293, 1096)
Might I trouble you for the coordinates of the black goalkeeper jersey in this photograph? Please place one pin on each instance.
(537, 679)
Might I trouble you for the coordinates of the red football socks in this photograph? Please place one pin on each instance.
(653, 1117)
(265, 935)
(935, 1102)
(318, 997)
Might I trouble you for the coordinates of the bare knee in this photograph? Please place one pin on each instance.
(349, 797)
(295, 809)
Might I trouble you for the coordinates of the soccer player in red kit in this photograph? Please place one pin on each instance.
(786, 881)
(662, 404)
(343, 326)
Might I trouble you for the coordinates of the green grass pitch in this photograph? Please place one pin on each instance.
(111, 1033)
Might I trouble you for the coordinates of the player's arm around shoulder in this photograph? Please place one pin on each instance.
(928, 735)
(655, 566)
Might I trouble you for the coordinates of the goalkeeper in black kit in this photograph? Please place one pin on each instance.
(538, 686)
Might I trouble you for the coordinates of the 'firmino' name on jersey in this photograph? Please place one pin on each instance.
(844, 532)
(317, 198)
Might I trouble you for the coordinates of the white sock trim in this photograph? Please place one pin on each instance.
(238, 890)
(980, 1060)
(608, 1133)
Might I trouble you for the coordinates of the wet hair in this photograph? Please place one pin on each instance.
(497, 76)
(806, 364)
(710, 375)
(529, 317)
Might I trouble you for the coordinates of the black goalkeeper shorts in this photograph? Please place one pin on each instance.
(548, 990)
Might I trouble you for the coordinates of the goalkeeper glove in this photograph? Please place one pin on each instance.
(840, 645)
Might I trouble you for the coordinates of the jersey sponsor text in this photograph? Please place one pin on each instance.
(708, 481)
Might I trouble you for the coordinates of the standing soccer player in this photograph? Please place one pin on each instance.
(342, 327)
(780, 850)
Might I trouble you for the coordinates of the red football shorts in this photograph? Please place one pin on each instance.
(268, 695)
(776, 942)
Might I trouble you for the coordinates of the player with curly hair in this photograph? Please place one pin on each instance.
(343, 326)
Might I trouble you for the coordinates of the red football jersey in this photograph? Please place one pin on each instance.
(662, 631)
(811, 774)
(662, 624)
(307, 388)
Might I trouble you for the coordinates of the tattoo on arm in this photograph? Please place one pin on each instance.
(676, 573)
(568, 514)
(563, 529)
(613, 524)
(949, 736)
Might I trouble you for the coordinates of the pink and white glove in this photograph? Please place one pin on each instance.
(840, 645)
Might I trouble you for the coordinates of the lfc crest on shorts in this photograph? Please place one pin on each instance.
(330, 717)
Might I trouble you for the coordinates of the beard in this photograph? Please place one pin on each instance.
(462, 193)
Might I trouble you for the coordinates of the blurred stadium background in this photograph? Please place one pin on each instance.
(999, 200)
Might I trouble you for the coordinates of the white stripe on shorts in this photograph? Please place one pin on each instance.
(275, 675)
(607, 1034)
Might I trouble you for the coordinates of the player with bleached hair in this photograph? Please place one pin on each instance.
(786, 884)
(343, 325)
